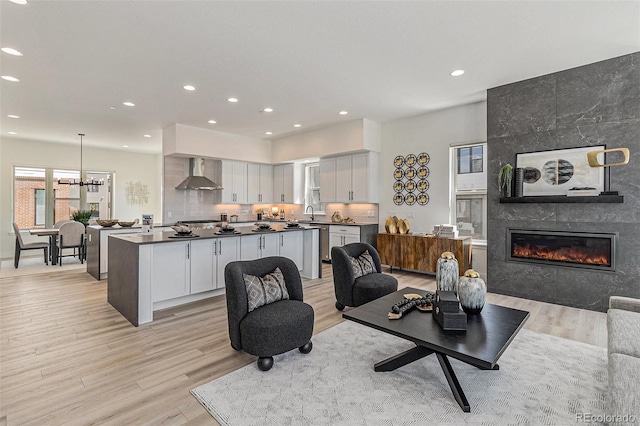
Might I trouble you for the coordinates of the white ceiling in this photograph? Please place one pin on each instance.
(307, 60)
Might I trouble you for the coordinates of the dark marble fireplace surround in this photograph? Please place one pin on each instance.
(595, 104)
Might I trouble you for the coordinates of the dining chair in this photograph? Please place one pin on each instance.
(20, 245)
(71, 235)
(61, 222)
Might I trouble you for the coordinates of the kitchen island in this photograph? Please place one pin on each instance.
(149, 272)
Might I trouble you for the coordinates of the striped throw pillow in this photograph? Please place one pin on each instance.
(264, 290)
(363, 264)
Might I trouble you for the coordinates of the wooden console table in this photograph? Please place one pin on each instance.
(421, 253)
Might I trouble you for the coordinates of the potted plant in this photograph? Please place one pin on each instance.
(505, 177)
(82, 216)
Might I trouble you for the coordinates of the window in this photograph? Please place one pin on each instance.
(469, 196)
(312, 187)
(470, 159)
(39, 200)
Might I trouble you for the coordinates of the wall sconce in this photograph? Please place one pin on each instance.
(592, 158)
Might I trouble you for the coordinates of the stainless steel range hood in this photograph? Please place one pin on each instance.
(196, 179)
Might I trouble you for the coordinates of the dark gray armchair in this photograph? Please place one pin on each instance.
(352, 291)
(273, 328)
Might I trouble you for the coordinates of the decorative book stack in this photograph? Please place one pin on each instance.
(446, 310)
(445, 231)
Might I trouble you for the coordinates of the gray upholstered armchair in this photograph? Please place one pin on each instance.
(275, 327)
(355, 291)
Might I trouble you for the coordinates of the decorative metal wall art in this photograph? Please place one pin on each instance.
(410, 185)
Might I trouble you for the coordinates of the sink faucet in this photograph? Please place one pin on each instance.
(307, 209)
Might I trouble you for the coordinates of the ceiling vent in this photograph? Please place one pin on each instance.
(196, 179)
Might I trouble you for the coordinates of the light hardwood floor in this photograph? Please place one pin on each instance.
(68, 357)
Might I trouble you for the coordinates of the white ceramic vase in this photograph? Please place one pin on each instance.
(472, 292)
(447, 272)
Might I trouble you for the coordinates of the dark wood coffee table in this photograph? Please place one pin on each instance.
(488, 335)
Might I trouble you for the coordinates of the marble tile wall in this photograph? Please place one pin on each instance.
(596, 104)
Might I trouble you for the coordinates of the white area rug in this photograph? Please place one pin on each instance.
(543, 380)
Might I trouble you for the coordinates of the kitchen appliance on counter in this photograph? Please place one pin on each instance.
(224, 217)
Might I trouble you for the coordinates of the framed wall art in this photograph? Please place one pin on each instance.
(556, 171)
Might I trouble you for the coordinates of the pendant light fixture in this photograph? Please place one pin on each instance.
(80, 182)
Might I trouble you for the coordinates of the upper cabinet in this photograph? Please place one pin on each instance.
(259, 183)
(287, 184)
(234, 182)
(349, 178)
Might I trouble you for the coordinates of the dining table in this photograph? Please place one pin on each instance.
(52, 233)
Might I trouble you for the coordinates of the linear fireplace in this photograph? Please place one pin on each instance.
(572, 249)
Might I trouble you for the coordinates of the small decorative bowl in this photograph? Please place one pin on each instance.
(263, 225)
(181, 229)
(126, 224)
(106, 222)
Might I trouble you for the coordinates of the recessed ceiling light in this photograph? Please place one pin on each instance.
(343, 112)
(147, 136)
(297, 125)
(13, 116)
(212, 121)
(457, 73)
(112, 107)
(233, 100)
(11, 51)
(268, 110)
(188, 87)
(125, 146)
(18, 1)
(268, 133)
(130, 104)
(9, 78)
(12, 133)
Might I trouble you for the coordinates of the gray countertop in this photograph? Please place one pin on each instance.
(164, 237)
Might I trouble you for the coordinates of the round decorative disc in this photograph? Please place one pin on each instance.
(410, 173)
(398, 174)
(410, 160)
(423, 185)
(410, 199)
(423, 198)
(398, 198)
(398, 161)
(423, 158)
(398, 186)
(410, 185)
(423, 172)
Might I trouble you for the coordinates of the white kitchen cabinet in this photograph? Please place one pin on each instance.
(208, 259)
(258, 246)
(343, 235)
(226, 251)
(259, 183)
(327, 180)
(201, 267)
(170, 270)
(283, 183)
(234, 182)
(355, 179)
(291, 246)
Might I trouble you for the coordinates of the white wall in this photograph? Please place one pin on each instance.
(350, 136)
(126, 166)
(179, 139)
(432, 133)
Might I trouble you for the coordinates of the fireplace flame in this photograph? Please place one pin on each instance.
(583, 255)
